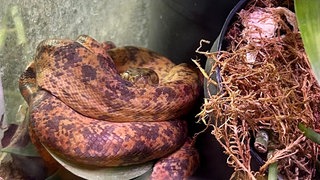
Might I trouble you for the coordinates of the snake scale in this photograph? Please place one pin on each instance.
(84, 107)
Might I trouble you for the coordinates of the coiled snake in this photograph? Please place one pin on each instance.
(85, 111)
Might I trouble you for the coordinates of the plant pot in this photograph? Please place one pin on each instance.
(218, 46)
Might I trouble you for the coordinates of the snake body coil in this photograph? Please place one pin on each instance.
(82, 109)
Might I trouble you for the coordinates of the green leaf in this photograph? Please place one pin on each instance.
(309, 133)
(28, 150)
(308, 16)
(110, 173)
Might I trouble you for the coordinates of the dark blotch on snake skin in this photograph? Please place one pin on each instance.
(187, 89)
(67, 56)
(105, 63)
(93, 44)
(68, 126)
(171, 94)
(44, 107)
(104, 117)
(77, 150)
(139, 147)
(148, 131)
(141, 92)
(122, 81)
(171, 169)
(54, 123)
(133, 51)
(93, 143)
(88, 73)
(121, 87)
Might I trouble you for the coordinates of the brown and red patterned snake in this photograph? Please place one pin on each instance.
(96, 104)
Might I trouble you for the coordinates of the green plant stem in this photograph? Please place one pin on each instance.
(273, 171)
(273, 167)
(309, 133)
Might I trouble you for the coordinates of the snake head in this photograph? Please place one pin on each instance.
(141, 76)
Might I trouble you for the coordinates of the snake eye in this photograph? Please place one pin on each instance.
(154, 78)
(125, 75)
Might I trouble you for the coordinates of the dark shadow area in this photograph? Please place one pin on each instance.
(177, 26)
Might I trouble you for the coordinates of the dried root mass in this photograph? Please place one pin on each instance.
(266, 85)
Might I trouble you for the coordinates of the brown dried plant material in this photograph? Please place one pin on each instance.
(267, 84)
